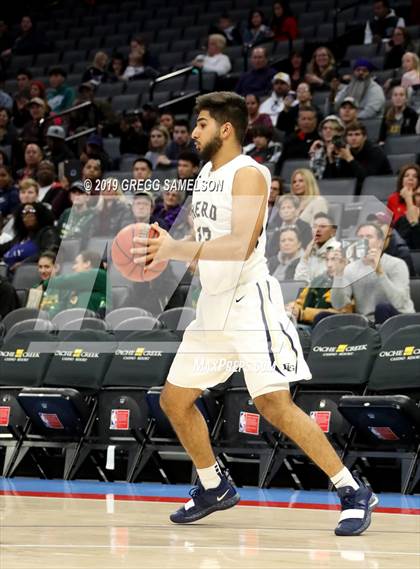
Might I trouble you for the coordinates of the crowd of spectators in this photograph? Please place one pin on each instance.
(307, 107)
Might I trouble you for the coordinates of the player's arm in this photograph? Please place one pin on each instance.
(249, 200)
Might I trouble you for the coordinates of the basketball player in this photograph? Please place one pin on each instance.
(240, 316)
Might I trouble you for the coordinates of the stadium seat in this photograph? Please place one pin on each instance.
(177, 319)
(338, 187)
(138, 323)
(291, 290)
(379, 186)
(20, 314)
(125, 102)
(28, 325)
(415, 293)
(402, 144)
(112, 146)
(62, 318)
(115, 317)
(395, 323)
(26, 276)
(85, 324)
(415, 255)
(68, 250)
(337, 322)
(373, 127)
(110, 89)
(399, 160)
(120, 296)
(24, 360)
(356, 51)
(62, 412)
(386, 418)
(289, 166)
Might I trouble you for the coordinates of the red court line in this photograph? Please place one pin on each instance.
(172, 499)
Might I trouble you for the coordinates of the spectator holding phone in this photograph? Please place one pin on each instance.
(330, 128)
(377, 283)
(293, 103)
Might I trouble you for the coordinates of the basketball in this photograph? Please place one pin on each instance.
(124, 261)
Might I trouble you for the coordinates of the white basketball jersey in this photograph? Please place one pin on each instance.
(212, 214)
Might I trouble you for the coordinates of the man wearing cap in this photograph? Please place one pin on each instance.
(257, 81)
(99, 113)
(348, 110)
(34, 130)
(59, 96)
(275, 102)
(368, 95)
(56, 142)
(142, 207)
(74, 221)
(94, 149)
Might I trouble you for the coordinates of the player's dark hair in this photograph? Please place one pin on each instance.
(223, 107)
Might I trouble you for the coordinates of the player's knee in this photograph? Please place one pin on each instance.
(274, 405)
(173, 405)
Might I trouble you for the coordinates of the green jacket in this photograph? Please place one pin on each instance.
(77, 290)
(74, 225)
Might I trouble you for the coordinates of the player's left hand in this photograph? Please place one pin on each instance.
(153, 248)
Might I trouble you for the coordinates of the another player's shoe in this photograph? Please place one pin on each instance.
(356, 509)
(204, 502)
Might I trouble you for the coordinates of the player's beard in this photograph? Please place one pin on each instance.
(210, 149)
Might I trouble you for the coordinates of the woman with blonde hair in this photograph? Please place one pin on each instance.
(305, 187)
(399, 118)
(321, 69)
(159, 139)
(411, 67)
(97, 72)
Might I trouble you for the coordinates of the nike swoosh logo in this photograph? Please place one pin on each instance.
(239, 299)
(219, 498)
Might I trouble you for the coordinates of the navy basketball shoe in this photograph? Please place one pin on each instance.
(204, 502)
(356, 509)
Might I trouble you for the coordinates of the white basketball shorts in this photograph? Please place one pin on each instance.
(245, 328)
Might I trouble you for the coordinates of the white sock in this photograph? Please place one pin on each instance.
(344, 478)
(210, 477)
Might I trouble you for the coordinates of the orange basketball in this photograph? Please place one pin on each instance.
(123, 260)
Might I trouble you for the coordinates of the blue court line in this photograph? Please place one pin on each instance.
(163, 491)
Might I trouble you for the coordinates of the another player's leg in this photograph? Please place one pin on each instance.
(214, 491)
(357, 500)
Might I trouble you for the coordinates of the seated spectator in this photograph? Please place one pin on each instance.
(263, 149)
(52, 192)
(295, 68)
(23, 78)
(28, 191)
(258, 79)
(74, 221)
(32, 157)
(312, 263)
(255, 118)
(137, 43)
(378, 284)
(297, 145)
(411, 67)
(150, 117)
(368, 95)
(9, 298)
(408, 225)
(276, 190)
(34, 232)
(304, 186)
(359, 158)
(84, 288)
(227, 28)
(9, 197)
(283, 265)
(137, 67)
(6, 100)
(97, 73)
(28, 41)
(286, 215)
(321, 69)
(188, 165)
(116, 68)
(133, 138)
(20, 113)
(215, 61)
(34, 129)
(275, 102)
(167, 119)
(94, 148)
(37, 89)
(142, 168)
(98, 115)
(283, 23)
(167, 211)
(8, 133)
(348, 111)
(142, 207)
(181, 142)
(329, 128)
(58, 151)
(408, 182)
(92, 171)
(399, 118)
(112, 212)
(158, 142)
(314, 302)
(256, 30)
(399, 43)
(59, 95)
(287, 119)
(47, 268)
(382, 24)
